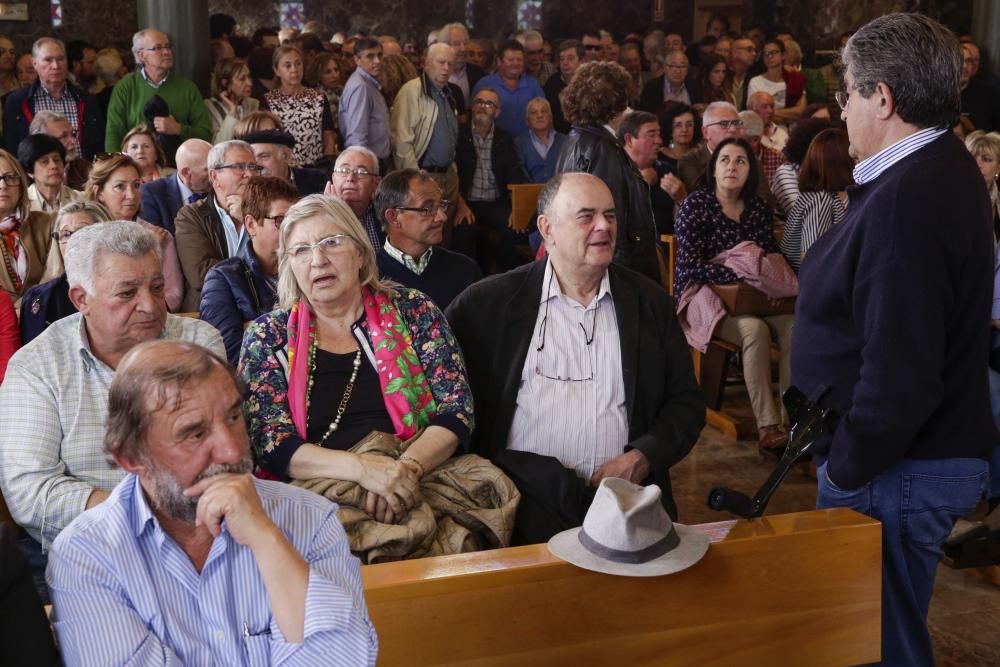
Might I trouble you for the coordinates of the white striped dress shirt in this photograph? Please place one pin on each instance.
(872, 168)
(55, 403)
(124, 592)
(581, 422)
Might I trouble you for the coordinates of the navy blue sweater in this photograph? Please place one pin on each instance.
(892, 320)
(445, 277)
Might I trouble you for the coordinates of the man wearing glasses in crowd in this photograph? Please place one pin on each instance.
(187, 117)
(211, 229)
(569, 388)
(720, 121)
(410, 203)
(355, 177)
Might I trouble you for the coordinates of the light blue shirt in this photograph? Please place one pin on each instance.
(364, 116)
(186, 192)
(234, 237)
(124, 592)
(871, 168)
(543, 149)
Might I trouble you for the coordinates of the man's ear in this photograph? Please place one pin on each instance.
(79, 297)
(887, 103)
(545, 228)
(391, 216)
(127, 464)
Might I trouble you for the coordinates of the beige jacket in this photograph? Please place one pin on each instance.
(35, 236)
(411, 123)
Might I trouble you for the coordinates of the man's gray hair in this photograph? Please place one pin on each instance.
(358, 149)
(40, 123)
(445, 32)
(530, 36)
(42, 41)
(137, 41)
(120, 237)
(217, 156)
(715, 107)
(917, 58)
(536, 100)
(753, 124)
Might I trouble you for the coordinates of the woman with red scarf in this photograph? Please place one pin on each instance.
(25, 233)
(347, 354)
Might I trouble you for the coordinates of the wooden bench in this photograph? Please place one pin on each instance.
(523, 204)
(793, 589)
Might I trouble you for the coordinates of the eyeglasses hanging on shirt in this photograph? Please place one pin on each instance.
(575, 363)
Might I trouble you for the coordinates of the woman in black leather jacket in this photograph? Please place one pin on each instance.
(594, 103)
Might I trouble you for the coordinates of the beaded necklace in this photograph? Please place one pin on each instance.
(348, 390)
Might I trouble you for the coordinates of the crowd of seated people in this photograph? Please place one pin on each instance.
(335, 216)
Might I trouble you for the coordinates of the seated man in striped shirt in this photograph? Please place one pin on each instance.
(578, 366)
(191, 560)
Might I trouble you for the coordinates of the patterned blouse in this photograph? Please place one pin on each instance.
(702, 231)
(264, 360)
(304, 115)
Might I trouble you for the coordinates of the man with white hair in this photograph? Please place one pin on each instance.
(185, 115)
(211, 229)
(52, 92)
(774, 136)
(720, 121)
(164, 197)
(535, 63)
(56, 387)
(464, 74)
(272, 149)
(354, 180)
(424, 125)
(674, 85)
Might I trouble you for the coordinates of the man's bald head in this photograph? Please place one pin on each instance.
(192, 164)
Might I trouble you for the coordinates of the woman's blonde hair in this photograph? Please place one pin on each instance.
(101, 172)
(980, 142)
(340, 215)
(23, 206)
(54, 261)
(143, 128)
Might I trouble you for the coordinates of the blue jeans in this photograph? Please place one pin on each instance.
(995, 460)
(918, 502)
(37, 562)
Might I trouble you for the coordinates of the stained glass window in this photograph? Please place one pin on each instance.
(293, 14)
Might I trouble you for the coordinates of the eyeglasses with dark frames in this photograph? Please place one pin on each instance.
(726, 124)
(443, 205)
(245, 167)
(11, 179)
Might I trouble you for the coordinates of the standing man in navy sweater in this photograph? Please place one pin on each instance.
(892, 323)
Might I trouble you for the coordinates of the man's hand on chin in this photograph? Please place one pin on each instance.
(632, 465)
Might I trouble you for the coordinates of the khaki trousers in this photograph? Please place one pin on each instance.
(754, 335)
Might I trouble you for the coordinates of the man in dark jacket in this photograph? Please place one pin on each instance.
(53, 93)
(272, 149)
(892, 322)
(593, 149)
(487, 162)
(164, 197)
(243, 287)
(578, 366)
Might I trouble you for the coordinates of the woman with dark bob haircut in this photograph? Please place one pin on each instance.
(785, 182)
(723, 214)
(598, 96)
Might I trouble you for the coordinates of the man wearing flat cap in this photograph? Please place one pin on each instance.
(578, 366)
(272, 150)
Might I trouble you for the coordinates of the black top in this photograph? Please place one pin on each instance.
(365, 410)
(663, 204)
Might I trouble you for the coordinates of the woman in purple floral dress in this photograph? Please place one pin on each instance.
(347, 354)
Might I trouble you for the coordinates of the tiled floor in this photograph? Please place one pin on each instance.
(965, 611)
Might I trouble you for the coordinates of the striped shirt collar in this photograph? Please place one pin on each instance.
(870, 169)
(553, 289)
(153, 84)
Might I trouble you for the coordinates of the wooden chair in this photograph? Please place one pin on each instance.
(523, 203)
(795, 589)
(670, 249)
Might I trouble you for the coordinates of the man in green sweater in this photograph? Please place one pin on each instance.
(188, 117)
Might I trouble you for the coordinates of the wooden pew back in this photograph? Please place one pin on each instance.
(795, 589)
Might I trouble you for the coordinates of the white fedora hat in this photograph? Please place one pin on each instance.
(628, 532)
